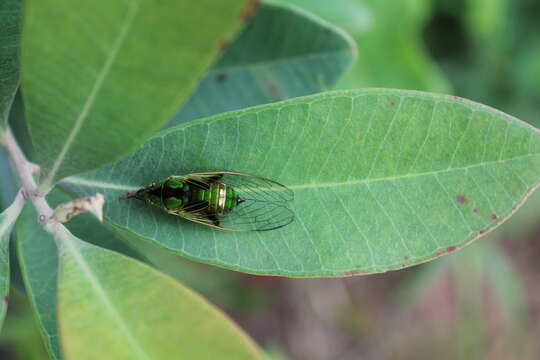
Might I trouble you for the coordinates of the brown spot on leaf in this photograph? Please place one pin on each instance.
(63, 254)
(451, 249)
(272, 88)
(6, 299)
(406, 257)
(351, 273)
(438, 253)
(475, 211)
(481, 232)
(223, 45)
(461, 199)
(392, 103)
(327, 31)
(221, 78)
(250, 9)
(360, 138)
(493, 217)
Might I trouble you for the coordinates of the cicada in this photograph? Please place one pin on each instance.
(222, 200)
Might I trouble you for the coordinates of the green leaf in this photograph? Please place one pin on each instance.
(390, 40)
(10, 19)
(382, 179)
(7, 219)
(131, 311)
(37, 254)
(102, 80)
(38, 259)
(301, 55)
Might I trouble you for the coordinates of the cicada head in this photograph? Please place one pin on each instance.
(150, 194)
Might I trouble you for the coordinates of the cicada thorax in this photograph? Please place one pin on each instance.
(188, 195)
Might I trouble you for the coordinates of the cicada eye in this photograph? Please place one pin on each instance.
(174, 183)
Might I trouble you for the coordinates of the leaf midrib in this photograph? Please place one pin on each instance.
(124, 29)
(76, 180)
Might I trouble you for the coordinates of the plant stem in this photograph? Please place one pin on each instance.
(25, 170)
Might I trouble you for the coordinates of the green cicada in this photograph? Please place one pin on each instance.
(222, 200)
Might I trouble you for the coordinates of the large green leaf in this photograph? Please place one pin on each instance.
(110, 73)
(284, 52)
(131, 311)
(7, 219)
(382, 179)
(10, 19)
(389, 38)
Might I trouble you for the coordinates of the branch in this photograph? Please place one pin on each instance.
(25, 170)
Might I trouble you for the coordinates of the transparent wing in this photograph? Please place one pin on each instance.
(263, 204)
(251, 187)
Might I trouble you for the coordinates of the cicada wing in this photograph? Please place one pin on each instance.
(204, 220)
(247, 216)
(257, 216)
(251, 187)
(262, 204)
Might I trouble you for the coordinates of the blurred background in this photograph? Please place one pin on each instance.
(482, 302)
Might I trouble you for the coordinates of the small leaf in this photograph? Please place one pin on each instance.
(99, 82)
(301, 55)
(382, 179)
(7, 219)
(10, 20)
(92, 204)
(131, 311)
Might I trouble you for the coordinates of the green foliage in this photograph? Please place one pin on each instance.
(280, 44)
(435, 172)
(10, 19)
(174, 321)
(389, 39)
(489, 49)
(74, 80)
(20, 336)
